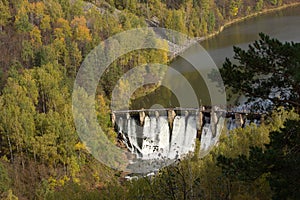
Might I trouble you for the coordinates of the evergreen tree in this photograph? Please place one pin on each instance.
(268, 70)
(279, 162)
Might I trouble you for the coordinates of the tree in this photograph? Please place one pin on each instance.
(211, 21)
(175, 21)
(27, 51)
(233, 8)
(75, 59)
(103, 115)
(45, 23)
(63, 28)
(81, 31)
(279, 162)
(18, 111)
(273, 2)
(22, 23)
(38, 10)
(259, 5)
(52, 95)
(4, 13)
(36, 38)
(54, 10)
(268, 71)
(5, 181)
(76, 8)
(205, 7)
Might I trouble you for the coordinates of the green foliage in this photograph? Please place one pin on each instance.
(5, 181)
(273, 2)
(259, 5)
(279, 162)
(22, 23)
(234, 9)
(27, 51)
(212, 177)
(50, 39)
(76, 192)
(283, 157)
(76, 8)
(9, 195)
(175, 21)
(211, 22)
(268, 70)
(4, 13)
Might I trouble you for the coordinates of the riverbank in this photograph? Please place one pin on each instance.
(151, 90)
(180, 49)
(240, 34)
(238, 20)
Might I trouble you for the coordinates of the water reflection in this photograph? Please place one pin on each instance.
(283, 25)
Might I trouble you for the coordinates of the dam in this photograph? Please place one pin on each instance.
(170, 133)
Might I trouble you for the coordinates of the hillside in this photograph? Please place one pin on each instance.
(42, 45)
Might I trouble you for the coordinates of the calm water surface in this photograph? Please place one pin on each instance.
(283, 25)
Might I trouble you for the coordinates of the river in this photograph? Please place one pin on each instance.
(281, 24)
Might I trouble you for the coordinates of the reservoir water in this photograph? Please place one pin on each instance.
(282, 24)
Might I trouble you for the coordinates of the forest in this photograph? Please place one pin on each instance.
(43, 44)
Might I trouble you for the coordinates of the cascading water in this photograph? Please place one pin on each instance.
(183, 136)
(163, 137)
(177, 137)
(206, 137)
(190, 134)
(231, 123)
(158, 138)
(154, 140)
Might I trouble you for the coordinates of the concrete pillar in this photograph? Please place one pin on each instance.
(171, 116)
(186, 113)
(113, 119)
(213, 120)
(142, 117)
(213, 115)
(239, 120)
(200, 119)
(156, 114)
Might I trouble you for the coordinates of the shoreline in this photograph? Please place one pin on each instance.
(192, 41)
(241, 19)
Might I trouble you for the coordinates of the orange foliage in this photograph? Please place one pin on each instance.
(81, 31)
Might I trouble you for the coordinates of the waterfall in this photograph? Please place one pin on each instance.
(231, 124)
(211, 131)
(190, 135)
(150, 135)
(177, 137)
(183, 136)
(156, 140)
(206, 137)
(247, 122)
(163, 137)
(133, 136)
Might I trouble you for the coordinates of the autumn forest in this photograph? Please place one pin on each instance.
(43, 44)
